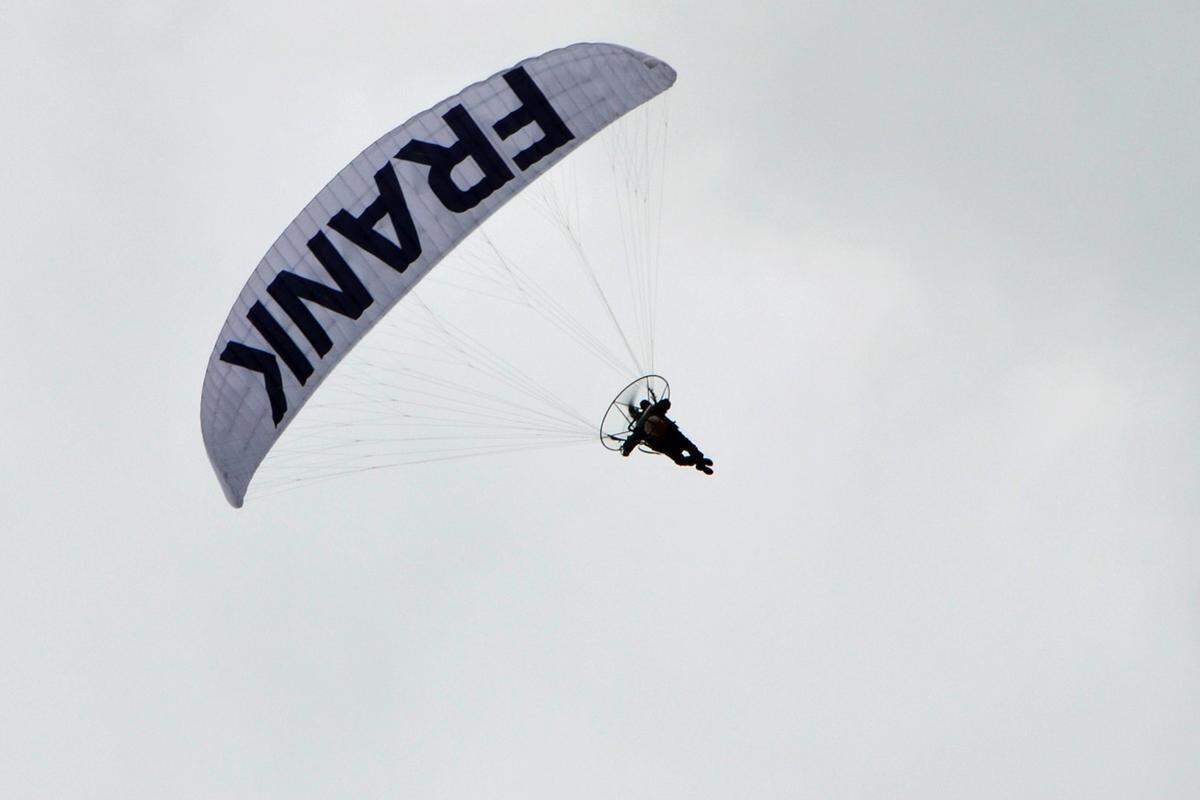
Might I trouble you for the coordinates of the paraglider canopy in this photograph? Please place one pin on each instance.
(385, 221)
(623, 412)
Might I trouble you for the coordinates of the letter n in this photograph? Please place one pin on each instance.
(349, 299)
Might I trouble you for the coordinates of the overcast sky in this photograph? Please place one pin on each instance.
(930, 301)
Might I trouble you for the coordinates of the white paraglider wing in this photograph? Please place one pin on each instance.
(384, 221)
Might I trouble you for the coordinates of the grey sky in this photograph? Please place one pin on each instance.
(935, 317)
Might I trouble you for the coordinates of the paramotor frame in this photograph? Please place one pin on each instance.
(622, 413)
